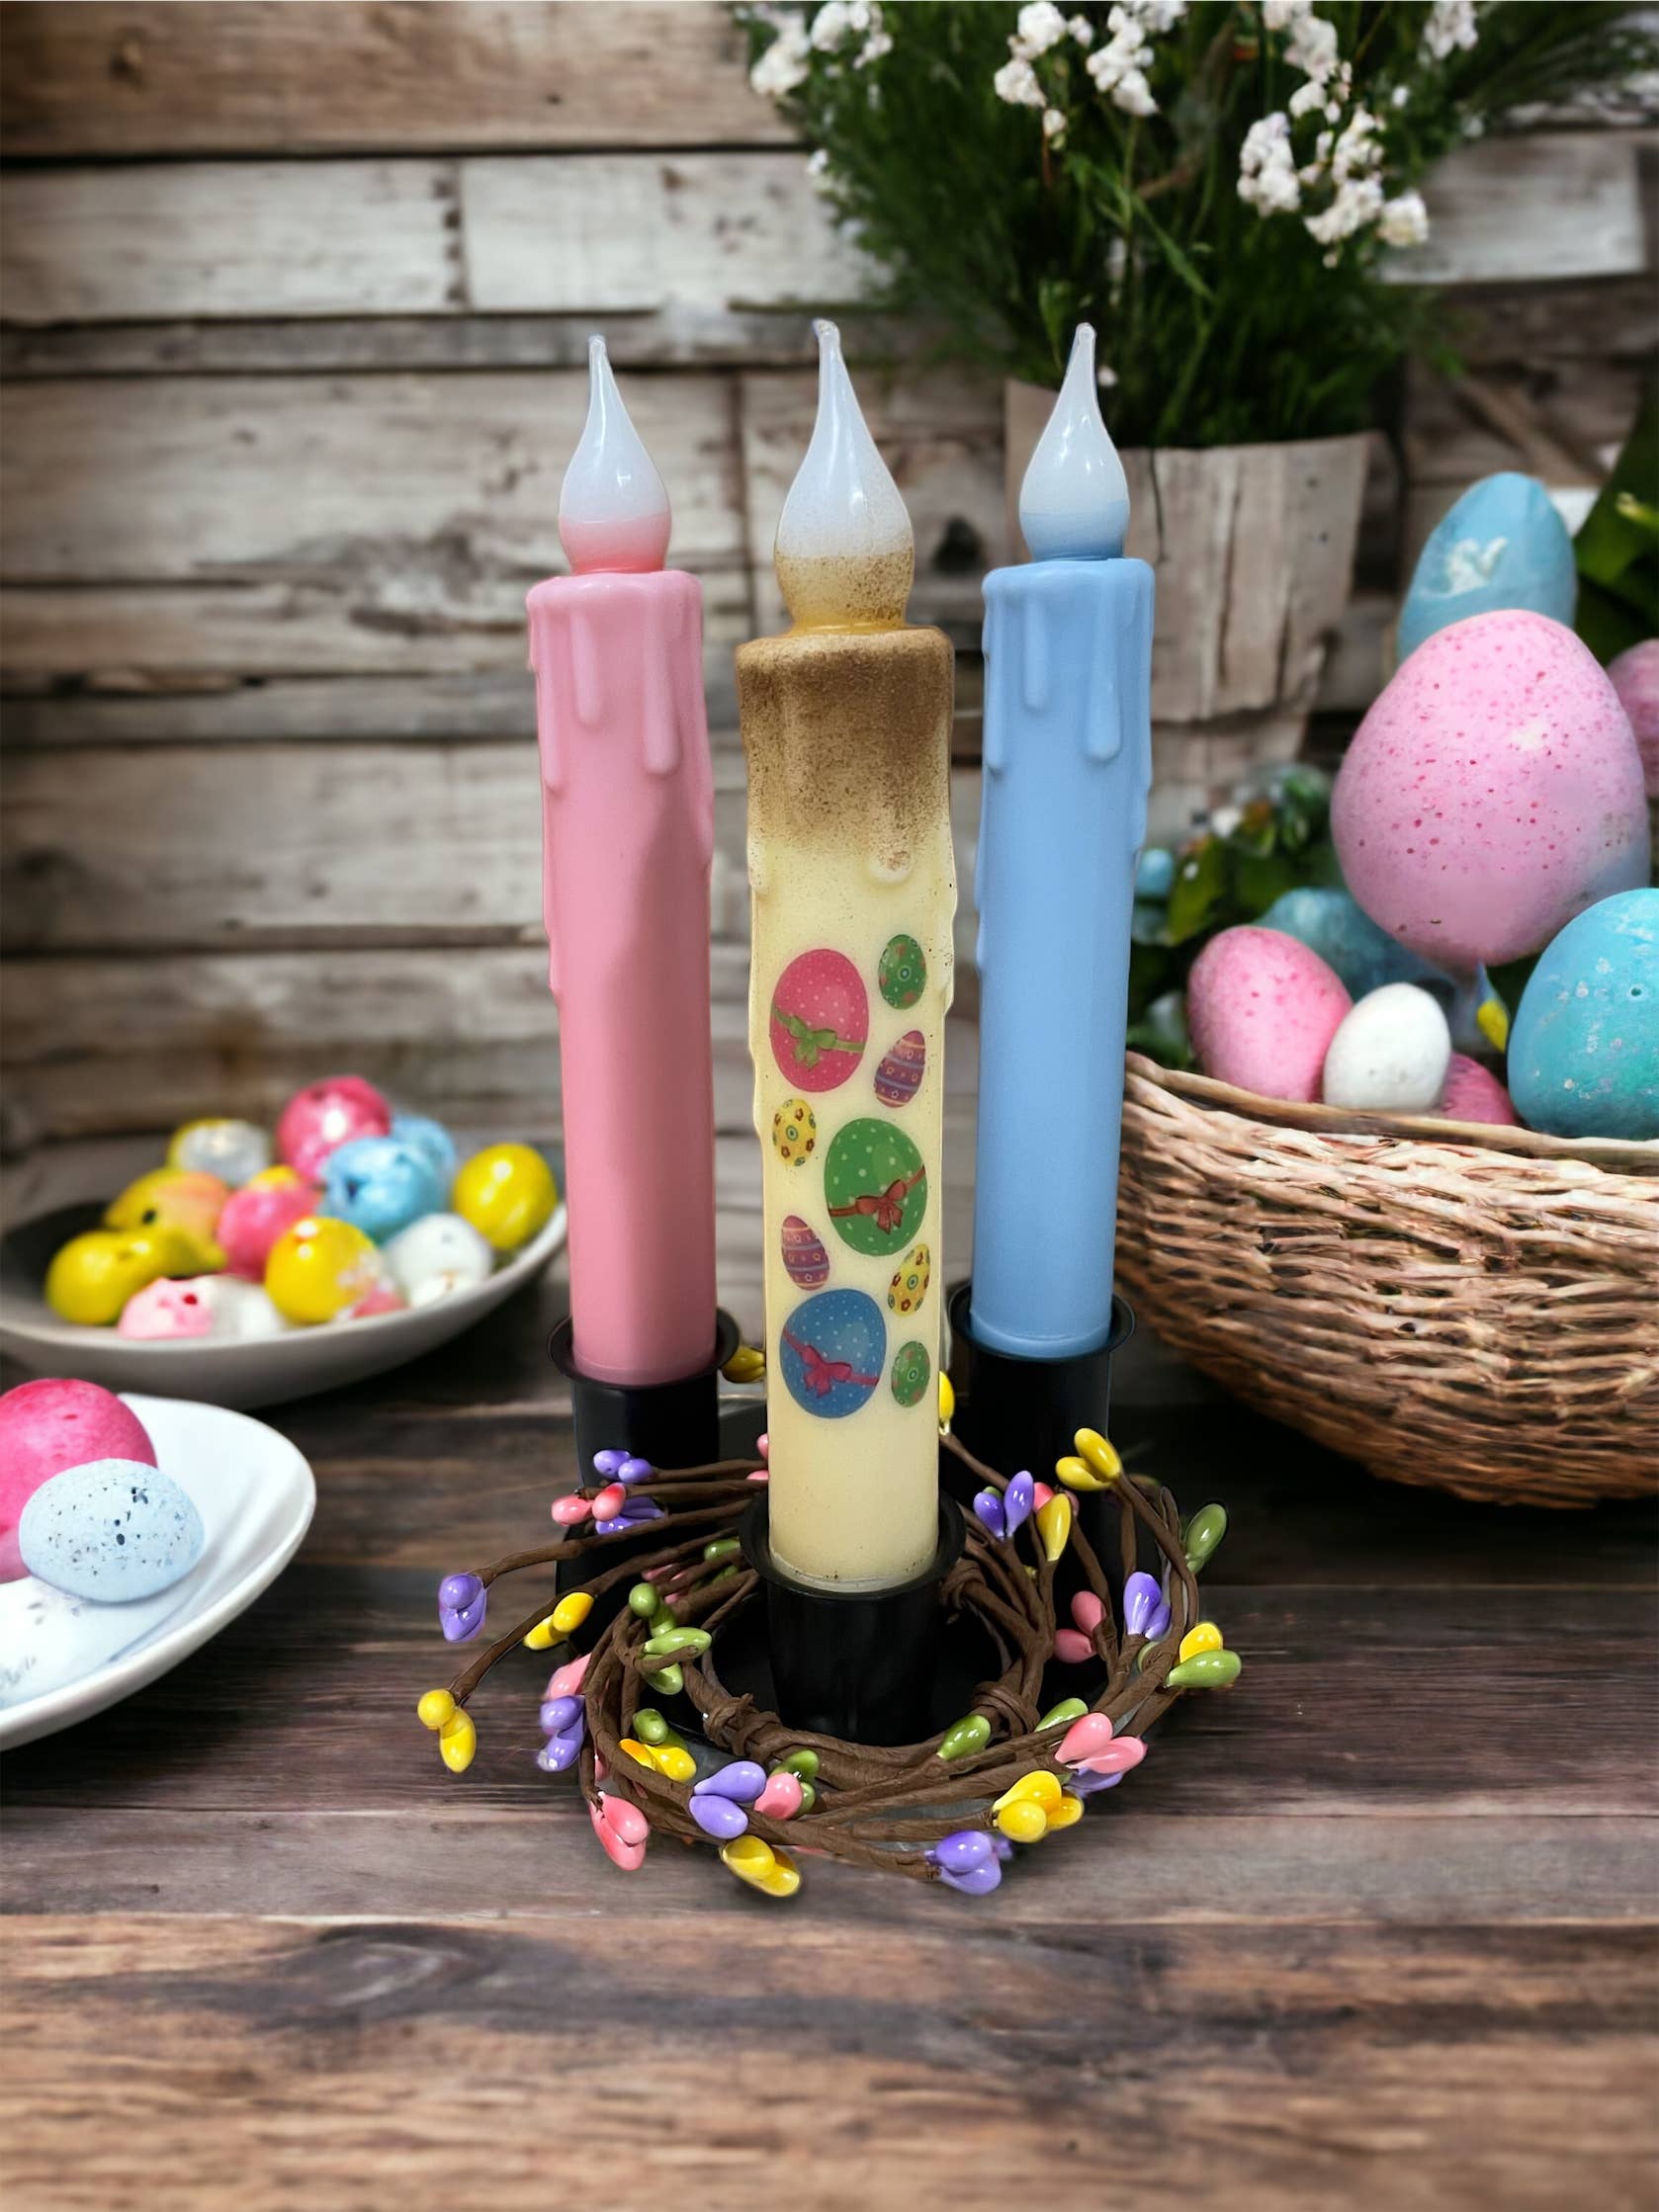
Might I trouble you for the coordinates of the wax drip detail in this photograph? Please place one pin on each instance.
(844, 554)
(1073, 502)
(613, 507)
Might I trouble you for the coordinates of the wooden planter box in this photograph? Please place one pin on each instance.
(1254, 548)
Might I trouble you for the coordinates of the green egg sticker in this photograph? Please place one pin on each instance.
(876, 1186)
(911, 1370)
(902, 974)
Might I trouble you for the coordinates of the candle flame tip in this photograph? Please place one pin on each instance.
(613, 507)
(844, 551)
(1073, 502)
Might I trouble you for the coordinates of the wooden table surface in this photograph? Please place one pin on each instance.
(1374, 1930)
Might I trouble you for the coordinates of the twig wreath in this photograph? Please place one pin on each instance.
(949, 1809)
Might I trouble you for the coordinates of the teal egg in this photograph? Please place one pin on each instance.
(1338, 928)
(1502, 546)
(1584, 1047)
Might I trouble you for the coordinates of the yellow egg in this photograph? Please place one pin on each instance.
(92, 1277)
(507, 1193)
(909, 1285)
(279, 1177)
(794, 1131)
(177, 1198)
(319, 1267)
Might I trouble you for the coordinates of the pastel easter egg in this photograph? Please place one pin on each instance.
(1263, 1010)
(380, 1185)
(179, 1199)
(1492, 792)
(1502, 544)
(911, 1279)
(47, 1426)
(820, 1020)
(900, 1071)
(1337, 927)
(91, 1278)
(111, 1531)
(876, 1187)
(255, 1218)
(236, 1151)
(318, 1268)
(902, 973)
(509, 1194)
(831, 1350)
(805, 1260)
(1473, 1093)
(1583, 1046)
(432, 1139)
(794, 1131)
(911, 1368)
(164, 1312)
(1390, 1053)
(1634, 675)
(435, 1255)
(326, 1115)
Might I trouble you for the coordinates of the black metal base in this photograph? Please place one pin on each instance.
(1014, 1413)
(867, 1666)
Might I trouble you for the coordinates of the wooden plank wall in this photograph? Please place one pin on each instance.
(294, 300)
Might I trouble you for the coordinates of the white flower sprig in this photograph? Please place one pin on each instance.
(1117, 69)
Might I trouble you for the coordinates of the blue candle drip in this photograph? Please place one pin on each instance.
(1068, 766)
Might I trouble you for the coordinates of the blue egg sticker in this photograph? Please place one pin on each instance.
(833, 1351)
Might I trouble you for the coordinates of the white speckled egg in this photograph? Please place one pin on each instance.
(1391, 1052)
(438, 1253)
(111, 1531)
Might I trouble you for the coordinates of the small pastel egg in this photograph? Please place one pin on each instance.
(507, 1193)
(188, 1202)
(805, 1260)
(380, 1297)
(1634, 675)
(327, 1114)
(318, 1267)
(92, 1277)
(380, 1185)
(166, 1312)
(438, 1254)
(1473, 1093)
(1583, 1046)
(432, 1139)
(911, 1279)
(1501, 544)
(236, 1151)
(1493, 791)
(1263, 1010)
(1390, 1053)
(256, 1216)
(51, 1424)
(899, 1074)
(111, 1531)
(794, 1131)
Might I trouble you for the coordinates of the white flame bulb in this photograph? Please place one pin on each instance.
(845, 549)
(613, 508)
(1074, 504)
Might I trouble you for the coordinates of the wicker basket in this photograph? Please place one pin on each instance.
(1478, 1312)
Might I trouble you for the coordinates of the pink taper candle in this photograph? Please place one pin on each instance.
(628, 837)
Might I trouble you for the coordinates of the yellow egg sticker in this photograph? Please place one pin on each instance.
(909, 1285)
(794, 1131)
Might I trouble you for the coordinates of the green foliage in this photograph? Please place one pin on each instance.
(1230, 871)
(1222, 324)
(1618, 547)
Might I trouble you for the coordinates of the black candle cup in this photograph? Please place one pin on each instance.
(863, 1665)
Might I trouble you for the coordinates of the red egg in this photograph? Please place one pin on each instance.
(899, 1077)
(805, 1260)
(820, 1020)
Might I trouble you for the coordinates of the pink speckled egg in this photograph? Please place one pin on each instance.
(321, 1117)
(47, 1427)
(1474, 1094)
(1634, 675)
(255, 1217)
(1493, 792)
(1262, 1009)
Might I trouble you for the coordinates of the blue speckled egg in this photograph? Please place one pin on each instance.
(111, 1531)
(1338, 928)
(1502, 544)
(1584, 1048)
(381, 1185)
(430, 1138)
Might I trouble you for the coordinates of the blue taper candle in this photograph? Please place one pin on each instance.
(1068, 765)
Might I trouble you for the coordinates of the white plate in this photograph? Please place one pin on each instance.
(266, 1371)
(62, 1659)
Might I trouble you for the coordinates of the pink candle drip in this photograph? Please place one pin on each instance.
(628, 839)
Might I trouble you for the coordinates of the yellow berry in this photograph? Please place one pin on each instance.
(747, 1365)
(1066, 1813)
(1100, 1453)
(947, 1401)
(1024, 1821)
(1054, 1524)
(1204, 1636)
(458, 1740)
(675, 1763)
(1039, 1787)
(507, 1193)
(571, 1611)
(435, 1708)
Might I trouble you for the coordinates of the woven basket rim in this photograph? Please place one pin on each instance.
(1629, 1156)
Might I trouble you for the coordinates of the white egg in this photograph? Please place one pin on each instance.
(438, 1245)
(239, 1308)
(235, 1152)
(1390, 1053)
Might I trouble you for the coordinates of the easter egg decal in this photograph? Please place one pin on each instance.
(903, 971)
(821, 1019)
(911, 1369)
(805, 1261)
(898, 1076)
(831, 1349)
(909, 1285)
(877, 1187)
(794, 1131)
